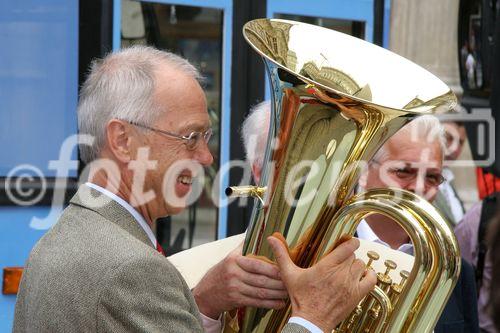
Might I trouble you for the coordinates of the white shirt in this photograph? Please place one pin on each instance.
(451, 196)
(365, 232)
(209, 325)
(470, 63)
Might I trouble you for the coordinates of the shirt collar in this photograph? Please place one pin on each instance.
(138, 217)
(365, 232)
(448, 174)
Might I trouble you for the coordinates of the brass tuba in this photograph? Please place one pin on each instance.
(335, 100)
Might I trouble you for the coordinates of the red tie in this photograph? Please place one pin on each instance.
(159, 248)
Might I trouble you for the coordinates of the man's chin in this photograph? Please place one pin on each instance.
(176, 208)
(177, 202)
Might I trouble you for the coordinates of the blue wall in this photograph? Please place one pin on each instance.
(16, 240)
(38, 98)
(38, 80)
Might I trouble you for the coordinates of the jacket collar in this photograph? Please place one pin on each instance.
(111, 210)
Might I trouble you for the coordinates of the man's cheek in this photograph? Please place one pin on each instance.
(430, 195)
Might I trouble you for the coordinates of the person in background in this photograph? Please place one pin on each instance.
(407, 158)
(494, 292)
(418, 169)
(447, 200)
(470, 67)
(254, 136)
(472, 237)
(488, 182)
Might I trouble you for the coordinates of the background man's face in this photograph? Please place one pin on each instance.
(455, 139)
(409, 164)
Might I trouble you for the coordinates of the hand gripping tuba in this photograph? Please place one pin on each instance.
(335, 100)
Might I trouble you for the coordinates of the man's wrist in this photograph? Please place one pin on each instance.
(205, 307)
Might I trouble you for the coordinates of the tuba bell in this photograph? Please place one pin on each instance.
(335, 100)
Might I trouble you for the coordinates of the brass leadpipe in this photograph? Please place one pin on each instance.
(246, 191)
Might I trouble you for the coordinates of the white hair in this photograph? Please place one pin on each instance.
(426, 128)
(254, 133)
(121, 86)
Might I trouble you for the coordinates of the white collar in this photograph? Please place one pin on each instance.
(138, 217)
(448, 174)
(365, 232)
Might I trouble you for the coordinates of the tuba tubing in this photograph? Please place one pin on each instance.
(433, 276)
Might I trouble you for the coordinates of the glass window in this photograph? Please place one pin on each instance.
(475, 38)
(353, 28)
(38, 84)
(195, 33)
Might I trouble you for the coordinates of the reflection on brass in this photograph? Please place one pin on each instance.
(272, 40)
(349, 324)
(414, 103)
(336, 100)
(331, 77)
(378, 312)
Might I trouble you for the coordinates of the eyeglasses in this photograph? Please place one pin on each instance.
(191, 141)
(407, 173)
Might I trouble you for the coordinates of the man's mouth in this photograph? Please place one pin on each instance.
(186, 180)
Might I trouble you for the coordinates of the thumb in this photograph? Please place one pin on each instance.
(283, 260)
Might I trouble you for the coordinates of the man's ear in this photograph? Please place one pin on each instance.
(119, 140)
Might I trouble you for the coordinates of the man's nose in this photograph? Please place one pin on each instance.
(411, 185)
(417, 186)
(203, 154)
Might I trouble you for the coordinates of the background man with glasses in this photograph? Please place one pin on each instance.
(412, 159)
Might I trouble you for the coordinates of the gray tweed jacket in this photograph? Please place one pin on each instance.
(97, 271)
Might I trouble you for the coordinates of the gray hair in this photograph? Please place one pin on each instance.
(426, 127)
(254, 132)
(121, 86)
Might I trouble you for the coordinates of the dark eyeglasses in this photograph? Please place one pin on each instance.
(191, 141)
(407, 173)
